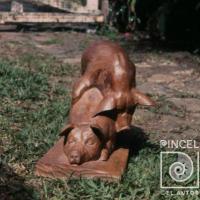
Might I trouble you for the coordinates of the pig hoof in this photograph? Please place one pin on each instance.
(103, 159)
(104, 155)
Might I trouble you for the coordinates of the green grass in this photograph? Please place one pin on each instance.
(32, 111)
(21, 85)
(45, 64)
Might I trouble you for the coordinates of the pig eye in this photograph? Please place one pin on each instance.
(71, 141)
(90, 142)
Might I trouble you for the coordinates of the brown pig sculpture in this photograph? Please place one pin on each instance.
(103, 102)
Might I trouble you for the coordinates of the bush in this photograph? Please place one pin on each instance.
(174, 20)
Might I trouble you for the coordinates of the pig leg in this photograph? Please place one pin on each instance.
(123, 121)
(141, 99)
(105, 153)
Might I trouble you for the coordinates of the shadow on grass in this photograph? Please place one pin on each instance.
(13, 187)
(134, 139)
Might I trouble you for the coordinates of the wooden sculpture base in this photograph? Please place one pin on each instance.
(54, 164)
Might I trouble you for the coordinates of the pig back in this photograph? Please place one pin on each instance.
(102, 52)
(106, 62)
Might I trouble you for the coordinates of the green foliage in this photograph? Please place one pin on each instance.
(123, 15)
(174, 20)
(109, 32)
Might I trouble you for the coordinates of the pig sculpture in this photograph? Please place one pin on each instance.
(103, 102)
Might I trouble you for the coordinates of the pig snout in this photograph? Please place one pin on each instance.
(74, 157)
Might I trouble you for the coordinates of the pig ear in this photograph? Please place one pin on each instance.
(66, 130)
(105, 106)
(97, 131)
(141, 99)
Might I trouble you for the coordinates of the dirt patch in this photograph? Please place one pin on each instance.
(190, 104)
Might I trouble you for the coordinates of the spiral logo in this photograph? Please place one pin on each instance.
(177, 168)
(163, 143)
(181, 170)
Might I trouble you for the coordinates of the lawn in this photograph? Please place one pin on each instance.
(35, 101)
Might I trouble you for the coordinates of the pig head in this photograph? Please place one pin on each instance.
(89, 141)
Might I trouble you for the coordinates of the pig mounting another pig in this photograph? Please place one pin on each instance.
(103, 102)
